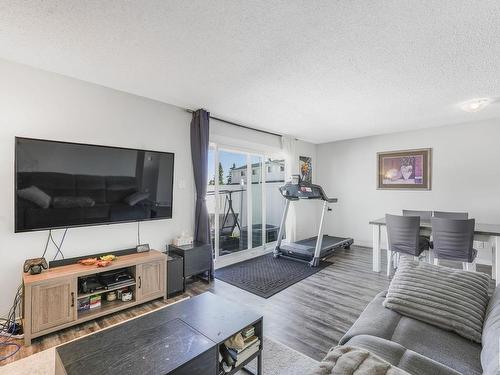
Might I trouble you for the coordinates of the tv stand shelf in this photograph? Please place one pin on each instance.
(50, 298)
(106, 308)
(130, 283)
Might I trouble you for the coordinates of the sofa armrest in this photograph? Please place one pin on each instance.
(386, 321)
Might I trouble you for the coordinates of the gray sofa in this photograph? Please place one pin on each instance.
(108, 193)
(420, 348)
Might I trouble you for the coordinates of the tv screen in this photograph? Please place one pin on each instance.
(62, 184)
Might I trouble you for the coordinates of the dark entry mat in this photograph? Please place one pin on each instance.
(265, 275)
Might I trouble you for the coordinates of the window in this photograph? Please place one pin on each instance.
(269, 169)
(254, 172)
(282, 168)
(242, 173)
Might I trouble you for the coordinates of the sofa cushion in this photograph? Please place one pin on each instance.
(135, 198)
(491, 336)
(401, 357)
(63, 217)
(451, 299)
(54, 184)
(35, 195)
(440, 345)
(91, 186)
(119, 187)
(72, 202)
(375, 320)
(445, 347)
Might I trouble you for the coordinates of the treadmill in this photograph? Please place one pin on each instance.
(309, 250)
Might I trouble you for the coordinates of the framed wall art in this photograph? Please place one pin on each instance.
(305, 168)
(407, 170)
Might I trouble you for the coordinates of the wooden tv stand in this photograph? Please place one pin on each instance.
(50, 298)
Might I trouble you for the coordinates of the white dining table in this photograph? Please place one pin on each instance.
(482, 232)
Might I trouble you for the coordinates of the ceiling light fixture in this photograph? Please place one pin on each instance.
(475, 105)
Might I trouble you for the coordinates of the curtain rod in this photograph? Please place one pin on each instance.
(239, 125)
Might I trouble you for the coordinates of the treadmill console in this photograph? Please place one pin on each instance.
(296, 189)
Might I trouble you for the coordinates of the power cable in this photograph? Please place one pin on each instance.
(8, 326)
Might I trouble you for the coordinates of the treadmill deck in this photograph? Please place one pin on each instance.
(328, 242)
(304, 249)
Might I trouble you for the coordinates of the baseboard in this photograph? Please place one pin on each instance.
(243, 255)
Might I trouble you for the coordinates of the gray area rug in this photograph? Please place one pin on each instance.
(278, 359)
(265, 275)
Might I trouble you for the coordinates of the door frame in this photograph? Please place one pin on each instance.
(250, 251)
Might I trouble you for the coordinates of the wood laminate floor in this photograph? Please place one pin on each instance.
(310, 316)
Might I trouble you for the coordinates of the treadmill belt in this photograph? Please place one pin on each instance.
(304, 249)
(328, 241)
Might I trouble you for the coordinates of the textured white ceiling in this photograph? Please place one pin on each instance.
(318, 70)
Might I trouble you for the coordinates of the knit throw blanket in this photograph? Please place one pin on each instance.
(348, 360)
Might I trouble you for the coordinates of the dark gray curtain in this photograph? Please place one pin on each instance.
(199, 154)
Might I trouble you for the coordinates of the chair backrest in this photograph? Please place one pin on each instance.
(453, 238)
(451, 215)
(423, 215)
(403, 233)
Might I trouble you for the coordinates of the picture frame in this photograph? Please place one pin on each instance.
(404, 169)
(305, 168)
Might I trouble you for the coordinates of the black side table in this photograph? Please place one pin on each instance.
(175, 275)
(197, 259)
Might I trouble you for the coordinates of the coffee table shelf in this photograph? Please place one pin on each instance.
(245, 363)
(189, 334)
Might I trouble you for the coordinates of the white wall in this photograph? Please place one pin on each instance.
(307, 212)
(39, 104)
(243, 139)
(465, 176)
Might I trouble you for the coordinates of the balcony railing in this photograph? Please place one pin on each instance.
(233, 217)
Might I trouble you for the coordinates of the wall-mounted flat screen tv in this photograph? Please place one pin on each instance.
(62, 184)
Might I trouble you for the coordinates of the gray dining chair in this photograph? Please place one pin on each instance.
(453, 240)
(424, 215)
(403, 237)
(451, 215)
(426, 236)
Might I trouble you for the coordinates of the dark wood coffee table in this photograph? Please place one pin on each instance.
(180, 339)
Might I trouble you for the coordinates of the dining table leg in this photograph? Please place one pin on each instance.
(495, 259)
(376, 247)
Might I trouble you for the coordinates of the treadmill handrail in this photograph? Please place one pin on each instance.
(324, 196)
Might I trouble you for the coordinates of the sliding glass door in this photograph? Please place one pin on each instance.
(254, 232)
(275, 203)
(243, 200)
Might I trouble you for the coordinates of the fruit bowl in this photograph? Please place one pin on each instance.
(88, 261)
